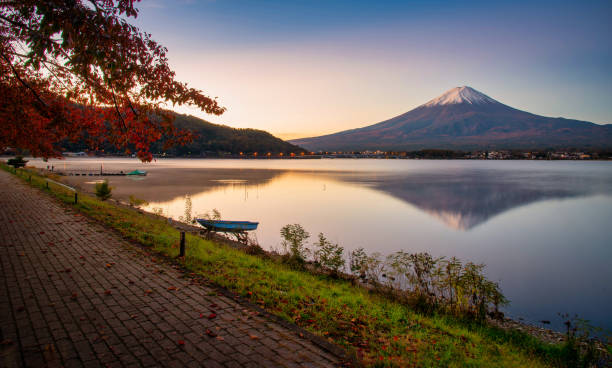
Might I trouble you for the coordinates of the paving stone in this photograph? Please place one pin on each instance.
(76, 294)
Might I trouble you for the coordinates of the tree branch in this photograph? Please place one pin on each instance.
(8, 61)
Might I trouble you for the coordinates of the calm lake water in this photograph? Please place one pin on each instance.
(544, 229)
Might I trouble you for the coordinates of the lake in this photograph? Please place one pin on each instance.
(543, 228)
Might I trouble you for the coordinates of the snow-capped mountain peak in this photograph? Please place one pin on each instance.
(459, 95)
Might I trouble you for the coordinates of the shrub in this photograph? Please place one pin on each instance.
(188, 218)
(580, 348)
(294, 237)
(357, 262)
(17, 162)
(212, 215)
(103, 191)
(137, 202)
(329, 255)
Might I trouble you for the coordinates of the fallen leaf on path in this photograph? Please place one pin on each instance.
(74, 296)
(210, 333)
(254, 337)
(220, 338)
(107, 292)
(181, 342)
(212, 315)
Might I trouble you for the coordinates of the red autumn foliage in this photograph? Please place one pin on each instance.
(75, 70)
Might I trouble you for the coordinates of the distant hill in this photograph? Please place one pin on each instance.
(463, 118)
(215, 138)
(211, 139)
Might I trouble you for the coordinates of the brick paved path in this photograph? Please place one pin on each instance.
(75, 294)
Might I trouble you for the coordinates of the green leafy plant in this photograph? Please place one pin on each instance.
(357, 262)
(329, 255)
(188, 217)
(17, 162)
(137, 202)
(103, 191)
(294, 236)
(580, 348)
(214, 214)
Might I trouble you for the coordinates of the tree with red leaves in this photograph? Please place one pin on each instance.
(75, 70)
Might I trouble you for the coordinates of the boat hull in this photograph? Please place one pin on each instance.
(228, 226)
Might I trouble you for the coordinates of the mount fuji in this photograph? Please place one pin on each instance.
(463, 118)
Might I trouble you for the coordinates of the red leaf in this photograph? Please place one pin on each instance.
(107, 292)
(181, 342)
(210, 333)
(212, 315)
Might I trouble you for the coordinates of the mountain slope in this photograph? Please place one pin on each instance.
(463, 118)
(220, 138)
(210, 139)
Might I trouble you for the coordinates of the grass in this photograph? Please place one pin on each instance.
(379, 330)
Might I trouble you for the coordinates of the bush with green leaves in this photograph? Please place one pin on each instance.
(329, 255)
(580, 348)
(431, 283)
(214, 214)
(137, 202)
(188, 217)
(17, 162)
(294, 238)
(103, 190)
(358, 262)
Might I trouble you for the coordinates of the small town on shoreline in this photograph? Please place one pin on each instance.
(416, 155)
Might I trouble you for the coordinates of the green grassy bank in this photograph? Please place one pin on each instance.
(380, 331)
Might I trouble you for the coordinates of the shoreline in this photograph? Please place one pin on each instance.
(545, 335)
(121, 198)
(524, 344)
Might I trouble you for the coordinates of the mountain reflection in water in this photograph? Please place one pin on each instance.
(463, 200)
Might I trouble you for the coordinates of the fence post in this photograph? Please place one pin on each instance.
(47, 184)
(76, 197)
(182, 249)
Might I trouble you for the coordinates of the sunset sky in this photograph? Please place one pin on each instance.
(304, 68)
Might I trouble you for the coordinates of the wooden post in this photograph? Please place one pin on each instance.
(76, 198)
(47, 184)
(182, 249)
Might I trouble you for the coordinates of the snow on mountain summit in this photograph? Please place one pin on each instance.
(459, 95)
